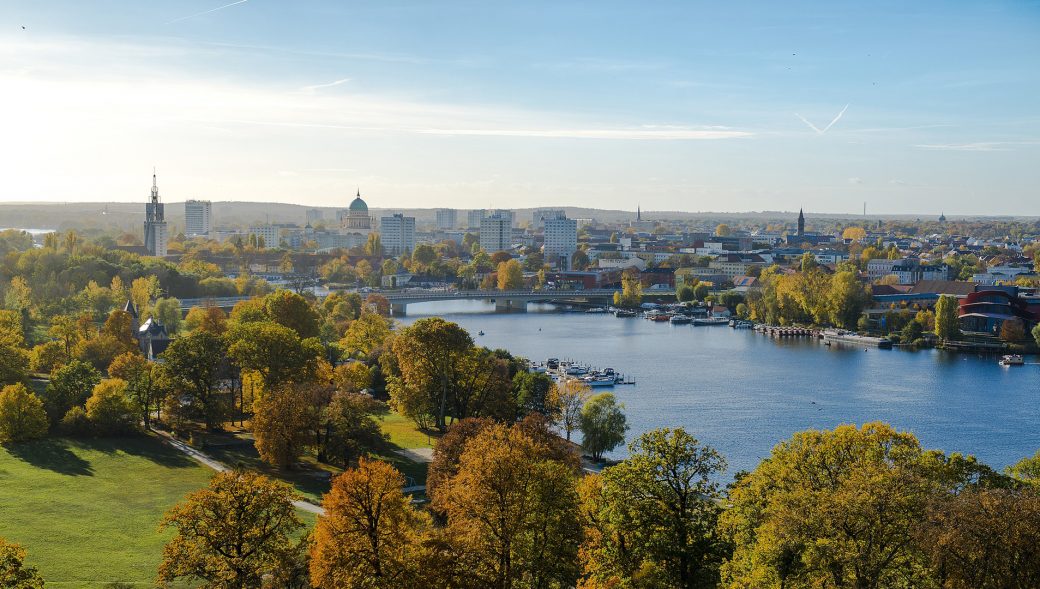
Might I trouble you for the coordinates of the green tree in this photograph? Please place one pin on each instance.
(947, 322)
(231, 534)
(428, 354)
(846, 299)
(193, 364)
(535, 393)
(366, 334)
(168, 312)
(110, 410)
(580, 260)
(831, 509)
(685, 294)
(349, 428)
(69, 387)
(22, 416)
(275, 352)
(374, 246)
(700, 292)
(142, 385)
(651, 520)
(14, 573)
(14, 363)
(809, 262)
(603, 424)
(571, 398)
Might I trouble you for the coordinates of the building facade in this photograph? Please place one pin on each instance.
(561, 241)
(474, 217)
(397, 234)
(315, 215)
(356, 219)
(447, 218)
(198, 217)
(156, 238)
(539, 216)
(496, 232)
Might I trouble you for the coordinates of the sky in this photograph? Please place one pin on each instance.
(910, 107)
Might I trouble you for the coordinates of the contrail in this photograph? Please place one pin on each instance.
(829, 125)
(206, 11)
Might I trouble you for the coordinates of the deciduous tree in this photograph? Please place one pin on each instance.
(603, 424)
(349, 428)
(69, 387)
(282, 420)
(231, 534)
(142, 385)
(947, 323)
(110, 410)
(572, 397)
(293, 311)
(275, 352)
(14, 573)
(193, 364)
(370, 536)
(510, 275)
(366, 333)
(22, 416)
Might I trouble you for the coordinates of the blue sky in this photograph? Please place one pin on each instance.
(913, 107)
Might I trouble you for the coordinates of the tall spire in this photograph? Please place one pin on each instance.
(359, 192)
(155, 187)
(801, 222)
(639, 213)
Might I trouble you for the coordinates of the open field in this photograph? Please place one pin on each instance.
(87, 510)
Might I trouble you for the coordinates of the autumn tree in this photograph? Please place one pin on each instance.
(142, 385)
(22, 416)
(535, 393)
(370, 536)
(723, 230)
(293, 311)
(1011, 331)
(846, 299)
(194, 364)
(211, 319)
(984, 538)
(282, 420)
(514, 512)
(651, 519)
(352, 377)
(831, 508)
(366, 333)
(14, 362)
(168, 312)
(231, 534)
(110, 410)
(510, 275)
(571, 398)
(603, 424)
(14, 573)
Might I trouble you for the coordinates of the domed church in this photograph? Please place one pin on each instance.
(357, 219)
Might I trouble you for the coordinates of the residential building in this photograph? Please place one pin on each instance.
(496, 232)
(156, 238)
(878, 268)
(314, 216)
(474, 217)
(733, 265)
(269, 234)
(539, 217)
(447, 218)
(397, 233)
(198, 217)
(561, 240)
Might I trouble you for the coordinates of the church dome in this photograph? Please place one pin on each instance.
(358, 205)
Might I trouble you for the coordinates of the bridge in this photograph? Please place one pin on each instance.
(504, 300)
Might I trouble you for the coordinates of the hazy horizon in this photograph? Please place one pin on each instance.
(673, 106)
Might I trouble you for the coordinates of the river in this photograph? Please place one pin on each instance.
(742, 392)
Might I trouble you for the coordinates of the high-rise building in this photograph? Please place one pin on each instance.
(198, 217)
(561, 241)
(155, 232)
(496, 232)
(474, 217)
(397, 234)
(540, 215)
(315, 215)
(270, 235)
(447, 218)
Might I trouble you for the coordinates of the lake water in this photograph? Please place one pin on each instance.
(742, 392)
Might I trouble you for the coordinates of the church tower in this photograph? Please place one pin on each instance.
(155, 235)
(801, 223)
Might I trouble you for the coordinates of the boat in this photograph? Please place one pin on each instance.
(552, 363)
(602, 380)
(575, 370)
(710, 321)
(596, 310)
(1012, 360)
(624, 313)
(680, 320)
(850, 337)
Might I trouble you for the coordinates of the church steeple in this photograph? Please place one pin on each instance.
(639, 214)
(801, 222)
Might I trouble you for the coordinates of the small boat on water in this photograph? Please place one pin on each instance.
(710, 321)
(596, 310)
(1012, 360)
(624, 313)
(680, 320)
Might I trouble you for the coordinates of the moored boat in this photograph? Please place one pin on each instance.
(1012, 360)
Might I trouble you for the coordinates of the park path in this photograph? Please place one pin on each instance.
(221, 467)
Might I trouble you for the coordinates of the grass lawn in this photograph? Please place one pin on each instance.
(403, 432)
(87, 510)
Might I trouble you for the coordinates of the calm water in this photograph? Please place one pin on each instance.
(742, 392)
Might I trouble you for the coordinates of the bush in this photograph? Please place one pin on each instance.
(75, 422)
(21, 414)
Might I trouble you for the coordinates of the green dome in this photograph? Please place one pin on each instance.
(359, 205)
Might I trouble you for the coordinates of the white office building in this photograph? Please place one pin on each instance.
(447, 218)
(198, 217)
(561, 241)
(496, 232)
(269, 234)
(397, 233)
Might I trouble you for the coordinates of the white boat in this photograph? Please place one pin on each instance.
(1012, 360)
(711, 321)
(596, 310)
(600, 381)
(680, 319)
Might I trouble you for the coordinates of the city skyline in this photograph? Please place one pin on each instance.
(675, 107)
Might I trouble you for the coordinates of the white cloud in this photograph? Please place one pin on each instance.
(855, 180)
(980, 146)
(312, 89)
